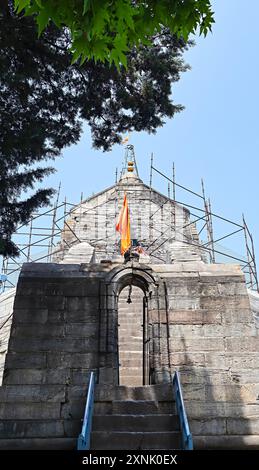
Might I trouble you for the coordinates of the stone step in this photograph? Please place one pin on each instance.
(63, 443)
(136, 423)
(134, 407)
(135, 440)
(159, 392)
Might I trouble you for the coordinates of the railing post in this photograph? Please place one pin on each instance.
(83, 441)
(187, 441)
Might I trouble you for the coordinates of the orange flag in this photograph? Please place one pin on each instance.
(123, 226)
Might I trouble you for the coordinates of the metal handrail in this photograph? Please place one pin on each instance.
(187, 441)
(83, 441)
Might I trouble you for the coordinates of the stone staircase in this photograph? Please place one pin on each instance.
(131, 337)
(135, 418)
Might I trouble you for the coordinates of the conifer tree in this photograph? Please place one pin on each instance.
(44, 100)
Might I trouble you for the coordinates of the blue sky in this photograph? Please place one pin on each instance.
(216, 137)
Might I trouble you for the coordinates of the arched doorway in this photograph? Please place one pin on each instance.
(117, 340)
(133, 337)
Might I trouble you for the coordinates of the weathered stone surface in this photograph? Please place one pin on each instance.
(66, 324)
(73, 410)
(52, 443)
(81, 376)
(21, 376)
(81, 303)
(32, 393)
(208, 426)
(38, 331)
(32, 315)
(64, 360)
(55, 344)
(199, 345)
(189, 317)
(23, 428)
(248, 343)
(10, 411)
(203, 376)
(247, 393)
(24, 360)
(42, 302)
(243, 425)
(247, 360)
(221, 409)
(79, 330)
(243, 442)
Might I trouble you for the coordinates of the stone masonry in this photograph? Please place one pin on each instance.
(67, 315)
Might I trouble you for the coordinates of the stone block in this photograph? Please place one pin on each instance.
(41, 302)
(186, 331)
(245, 376)
(192, 344)
(55, 344)
(38, 331)
(247, 393)
(77, 392)
(215, 360)
(241, 426)
(30, 315)
(183, 359)
(37, 376)
(220, 409)
(241, 361)
(82, 303)
(73, 410)
(79, 330)
(24, 376)
(26, 360)
(208, 426)
(72, 427)
(88, 287)
(203, 376)
(183, 303)
(67, 360)
(224, 304)
(183, 317)
(32, 393)
(248, 344)
(81, 376)
(193, 392)
(237, 315)
(229, 330)
(16, 411)
(26, 428)
(89, 315)
(244, 442)
(53, 443)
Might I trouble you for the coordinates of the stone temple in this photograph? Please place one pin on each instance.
(133, 322)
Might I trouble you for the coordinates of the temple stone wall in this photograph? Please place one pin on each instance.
(65, 324)
(214, 343)
(160, 225)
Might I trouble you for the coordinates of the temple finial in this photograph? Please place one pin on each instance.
(130, 164)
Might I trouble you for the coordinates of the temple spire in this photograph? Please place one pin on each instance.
(130, 164)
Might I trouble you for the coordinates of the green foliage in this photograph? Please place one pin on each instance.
(45, 99)
(105, 30)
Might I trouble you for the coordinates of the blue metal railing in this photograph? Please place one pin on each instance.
(187, 442)
(83, 441)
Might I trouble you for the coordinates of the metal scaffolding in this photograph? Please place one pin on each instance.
(39, 240)
(206, 218)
